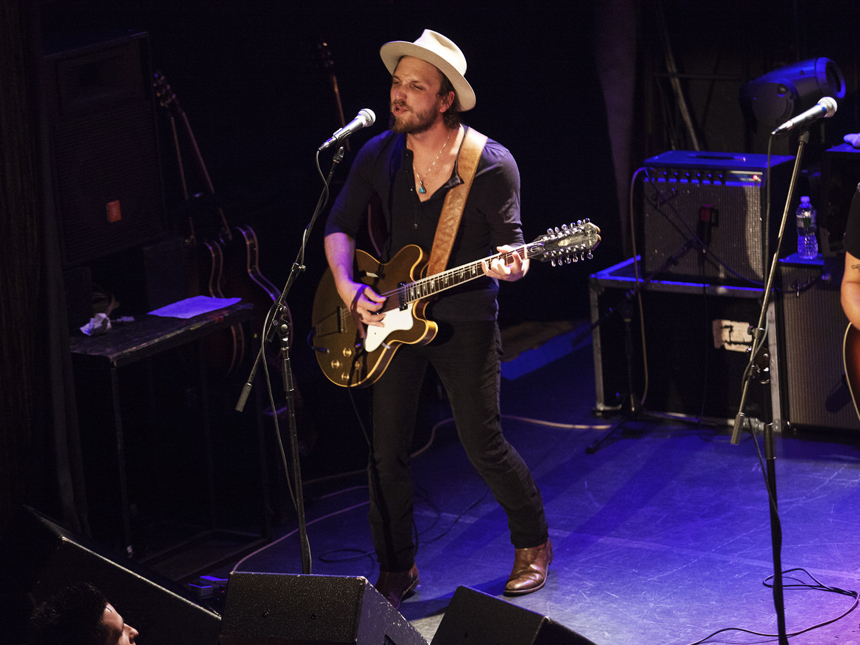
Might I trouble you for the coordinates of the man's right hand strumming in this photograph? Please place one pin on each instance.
(362, 301)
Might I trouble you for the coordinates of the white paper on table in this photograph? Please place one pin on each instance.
(195, 306)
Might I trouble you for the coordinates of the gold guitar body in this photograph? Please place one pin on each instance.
(351, 357)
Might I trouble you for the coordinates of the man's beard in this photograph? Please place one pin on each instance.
(422, 122)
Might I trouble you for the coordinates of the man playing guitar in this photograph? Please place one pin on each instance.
(411, 168)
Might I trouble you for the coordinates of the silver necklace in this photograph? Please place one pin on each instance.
(421, 188)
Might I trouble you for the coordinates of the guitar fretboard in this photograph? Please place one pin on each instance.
(431, 285)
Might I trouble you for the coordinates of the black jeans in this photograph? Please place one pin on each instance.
(466, 357)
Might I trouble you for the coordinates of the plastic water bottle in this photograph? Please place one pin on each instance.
(807, 245)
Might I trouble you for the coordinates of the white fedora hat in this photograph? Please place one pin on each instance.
(437, 50)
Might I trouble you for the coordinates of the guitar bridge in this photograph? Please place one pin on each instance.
(402, 300)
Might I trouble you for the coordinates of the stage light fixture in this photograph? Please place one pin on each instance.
(772, 99)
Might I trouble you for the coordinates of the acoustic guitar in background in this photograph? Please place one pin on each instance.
(226, 259)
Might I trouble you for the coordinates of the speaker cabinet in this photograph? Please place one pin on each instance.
(101, 117)
(279, 609)
(44, 557)
(692, 199)
(816, 392)
(475, 617)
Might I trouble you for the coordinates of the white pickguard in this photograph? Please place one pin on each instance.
(395, 320)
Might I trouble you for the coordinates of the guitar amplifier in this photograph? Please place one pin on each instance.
(816, 394)
(698, 200)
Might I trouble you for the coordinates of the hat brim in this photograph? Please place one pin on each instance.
(392, 52)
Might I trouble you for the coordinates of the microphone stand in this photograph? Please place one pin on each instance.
(278, 323)
(767, 429)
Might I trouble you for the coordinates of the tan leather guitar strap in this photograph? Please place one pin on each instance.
(455, 201)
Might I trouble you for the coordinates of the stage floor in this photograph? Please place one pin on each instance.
(661, 536)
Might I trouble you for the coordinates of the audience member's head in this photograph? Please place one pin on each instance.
(79, 615)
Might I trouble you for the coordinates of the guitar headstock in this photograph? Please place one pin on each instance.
(322, 56)
(566, 244)
(166, 96)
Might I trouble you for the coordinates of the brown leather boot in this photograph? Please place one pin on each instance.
(397, 586)
(530, 567)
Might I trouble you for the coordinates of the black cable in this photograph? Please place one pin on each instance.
(818, 586)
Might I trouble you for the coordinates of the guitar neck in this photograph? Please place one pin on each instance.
(431, 285)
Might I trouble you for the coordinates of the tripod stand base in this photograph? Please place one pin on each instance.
(711, 422)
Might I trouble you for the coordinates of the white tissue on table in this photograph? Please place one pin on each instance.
(98, 324)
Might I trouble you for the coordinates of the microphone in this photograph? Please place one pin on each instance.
(365, 118)
(825, 108)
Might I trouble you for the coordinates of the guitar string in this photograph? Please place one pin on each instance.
(507, 255)
(420, 282)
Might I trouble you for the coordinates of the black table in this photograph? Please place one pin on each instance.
(145, 337)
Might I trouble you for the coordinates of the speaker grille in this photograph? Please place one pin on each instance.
(283, 609)
(671, 220)
(105, 147)
(716, 200)
(817, 394)
(107, 162)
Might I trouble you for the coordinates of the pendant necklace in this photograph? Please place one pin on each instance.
(421, 188)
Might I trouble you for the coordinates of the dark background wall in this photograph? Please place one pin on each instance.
(578, 91)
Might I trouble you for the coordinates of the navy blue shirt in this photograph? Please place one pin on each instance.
(491, 217)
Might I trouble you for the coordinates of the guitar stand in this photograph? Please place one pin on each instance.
(278, 323)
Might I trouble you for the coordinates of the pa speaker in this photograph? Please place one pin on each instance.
(475, 617)
(100, 111)
(281, 609)
(696, 200)
(43, 558)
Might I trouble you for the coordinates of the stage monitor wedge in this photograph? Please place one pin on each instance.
(41, 557)
(476, 618)
(284, 609)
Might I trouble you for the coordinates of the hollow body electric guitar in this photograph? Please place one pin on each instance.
(352, 355)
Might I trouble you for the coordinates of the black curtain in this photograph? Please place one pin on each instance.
(40, 462)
